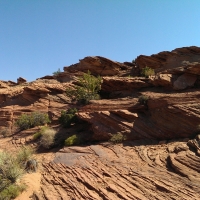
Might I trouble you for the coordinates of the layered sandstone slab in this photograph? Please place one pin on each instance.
(133, 170)
(167, 116)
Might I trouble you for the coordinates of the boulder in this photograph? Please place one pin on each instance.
(165, 80)
(21, 80)
(184, 81)
(98, 65)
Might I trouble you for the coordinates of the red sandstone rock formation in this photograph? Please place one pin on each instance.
(159, 160)
(134, 170)
(100, 66)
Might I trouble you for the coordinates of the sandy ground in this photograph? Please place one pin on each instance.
(31, 180)
(33, 185)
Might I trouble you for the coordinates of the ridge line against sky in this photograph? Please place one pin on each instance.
(38, 37)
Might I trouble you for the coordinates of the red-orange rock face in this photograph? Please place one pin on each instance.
(166, 116)
(42, 95)
(178, 58)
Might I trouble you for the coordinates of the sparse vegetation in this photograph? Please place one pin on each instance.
(57, 72)
(143, 99)
(68, 117)
(24, 154)
(72, 140)
(147, 71)
(12, 191)
(26, 121)
(48, 138)
(87, 88)
(38, 134)
(11, 169)
(117, 138)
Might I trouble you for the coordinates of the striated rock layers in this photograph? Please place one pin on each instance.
(41, 95)
(179, 68)
(135, 170)
(165, 116)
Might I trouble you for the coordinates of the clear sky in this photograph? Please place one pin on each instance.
(39, 36)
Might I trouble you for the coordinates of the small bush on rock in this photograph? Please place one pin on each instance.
(147, 71)
(48, 138)
(143, 99)
(68, 117)
(38, 134)
(117, 138)
(72, 140)
(26, 121)
(57, 72)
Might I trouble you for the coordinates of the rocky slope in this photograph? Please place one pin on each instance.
(159, 160)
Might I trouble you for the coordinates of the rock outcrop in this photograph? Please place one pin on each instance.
(21, 80)
(135, 170)
(98, 65)
(42, 95)
(166, 116)
(179, 58)
(159, 117)
(178, 69)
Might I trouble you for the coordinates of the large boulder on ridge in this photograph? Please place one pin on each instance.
(98, 65)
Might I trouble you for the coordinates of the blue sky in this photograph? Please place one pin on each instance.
(39, 36)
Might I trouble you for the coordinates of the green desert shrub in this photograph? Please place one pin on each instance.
(12, 191)
(117, 138)
(68, 117)
(57, 72)
(11, 169)
(48, 138)
(24, 154)
(143, 99)
(72, 140)
(26, 121)
(147, 71)
(38, 134)
(87, 88)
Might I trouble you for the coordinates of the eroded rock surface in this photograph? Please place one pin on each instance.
(134, 170)
(42, 95)
(166, 116)
(184, 58)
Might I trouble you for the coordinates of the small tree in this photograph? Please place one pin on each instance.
(87, 88)
(57, 72)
